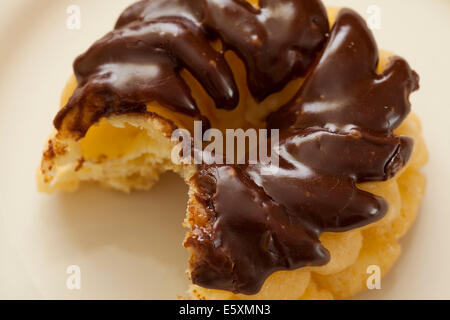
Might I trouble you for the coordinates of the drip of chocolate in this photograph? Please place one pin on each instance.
(337, 132)
(140, 61)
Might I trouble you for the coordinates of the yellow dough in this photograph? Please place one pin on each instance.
(130, 152)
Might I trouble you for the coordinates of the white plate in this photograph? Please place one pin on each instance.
(129, 246)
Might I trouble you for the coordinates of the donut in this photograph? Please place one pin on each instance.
(347, 184)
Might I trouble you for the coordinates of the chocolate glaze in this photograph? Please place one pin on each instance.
(342, 94)
(337, 131)
(140, 61)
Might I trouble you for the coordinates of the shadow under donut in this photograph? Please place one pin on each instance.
(129, 245)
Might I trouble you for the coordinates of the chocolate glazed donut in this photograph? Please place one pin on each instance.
(336, 132)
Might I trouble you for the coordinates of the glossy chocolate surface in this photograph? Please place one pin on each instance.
(335, 133)
(140, 61)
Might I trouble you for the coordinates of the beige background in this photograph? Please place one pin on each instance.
(129, 246)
